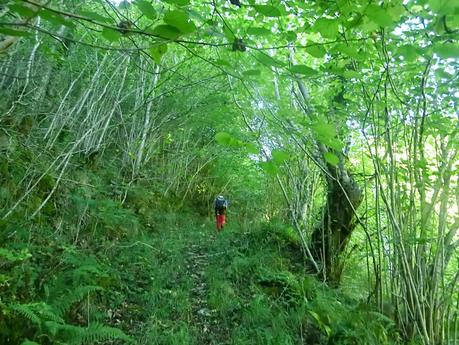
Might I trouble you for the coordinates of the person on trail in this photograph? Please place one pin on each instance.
(220, 205)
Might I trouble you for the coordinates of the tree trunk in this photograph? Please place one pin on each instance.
(344, 196)
(329, 240)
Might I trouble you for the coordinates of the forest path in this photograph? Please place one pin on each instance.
(199, 253)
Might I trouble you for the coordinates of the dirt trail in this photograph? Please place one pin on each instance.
(197, 261)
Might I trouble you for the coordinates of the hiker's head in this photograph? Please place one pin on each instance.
(220, 197)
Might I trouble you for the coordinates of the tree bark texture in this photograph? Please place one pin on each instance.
(329, 240)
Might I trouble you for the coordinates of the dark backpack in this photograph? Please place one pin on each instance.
(220, 204)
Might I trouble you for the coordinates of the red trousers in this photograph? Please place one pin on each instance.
(220, 221)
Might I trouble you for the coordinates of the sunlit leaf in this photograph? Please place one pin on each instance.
(290, 36)
(252, 73)
(303, 70)
(167, 32)
(223, 138)
(222, 62)
(146, 8)
(111, 35)
(447, 50)
(252, 148)
(180, 20)
(268, 10)
(158, 51)
(351, 74)
(396, 11)
(269, 167)
(379, 15)
(280, 156)
(255, 31)
(326, 134)
(349, 51)
(229, 34)
(328, 28)
(444, 6)
(331, 158)
(324, 129)
(178, 2)
(316, 50)
(408, 51)
(227, 139)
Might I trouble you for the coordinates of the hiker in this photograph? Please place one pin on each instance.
(220, 205)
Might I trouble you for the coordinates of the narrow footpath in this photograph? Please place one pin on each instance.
(204, 319)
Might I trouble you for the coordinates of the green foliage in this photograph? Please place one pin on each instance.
(113, 145)
(91, 334)
(147, 9)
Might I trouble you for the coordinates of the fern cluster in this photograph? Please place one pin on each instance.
(49, 321)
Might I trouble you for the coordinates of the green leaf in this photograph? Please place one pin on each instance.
(56, 19)
(396, 11)
(95, 16)
(280, 156)
(351, 74)
(268, 10)
(258, 31)
(326, 134)
(408, 51)
(333, 143)
(178, 2)
(167, 32)
(222, 62)
(252, 148)
(447, 50)
(180, 20)
(304, 70)
(290, 36)
(252, 73)
(324, 130)
(444, 6)
(452, 22)
(226, 139)
(22, 10)
(349, 51)
(111, 35)
(124, 4)
(328, 28)
(146, 8)
(331, 158)
(228, 33)
(316, 51)
(223, 138)
(269, 167)
(269, 61)
(15, 255)
(11, 32)
(29, 342)
(379, 15)
(158, 51)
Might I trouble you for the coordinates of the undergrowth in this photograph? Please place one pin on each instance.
(110, 263)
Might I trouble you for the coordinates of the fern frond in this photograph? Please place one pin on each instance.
(48, 312)
(29, 342)
(64, 303)
(92, 334)
(36, 312)
(28, 311)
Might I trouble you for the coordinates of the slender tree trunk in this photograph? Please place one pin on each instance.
(343, 198)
